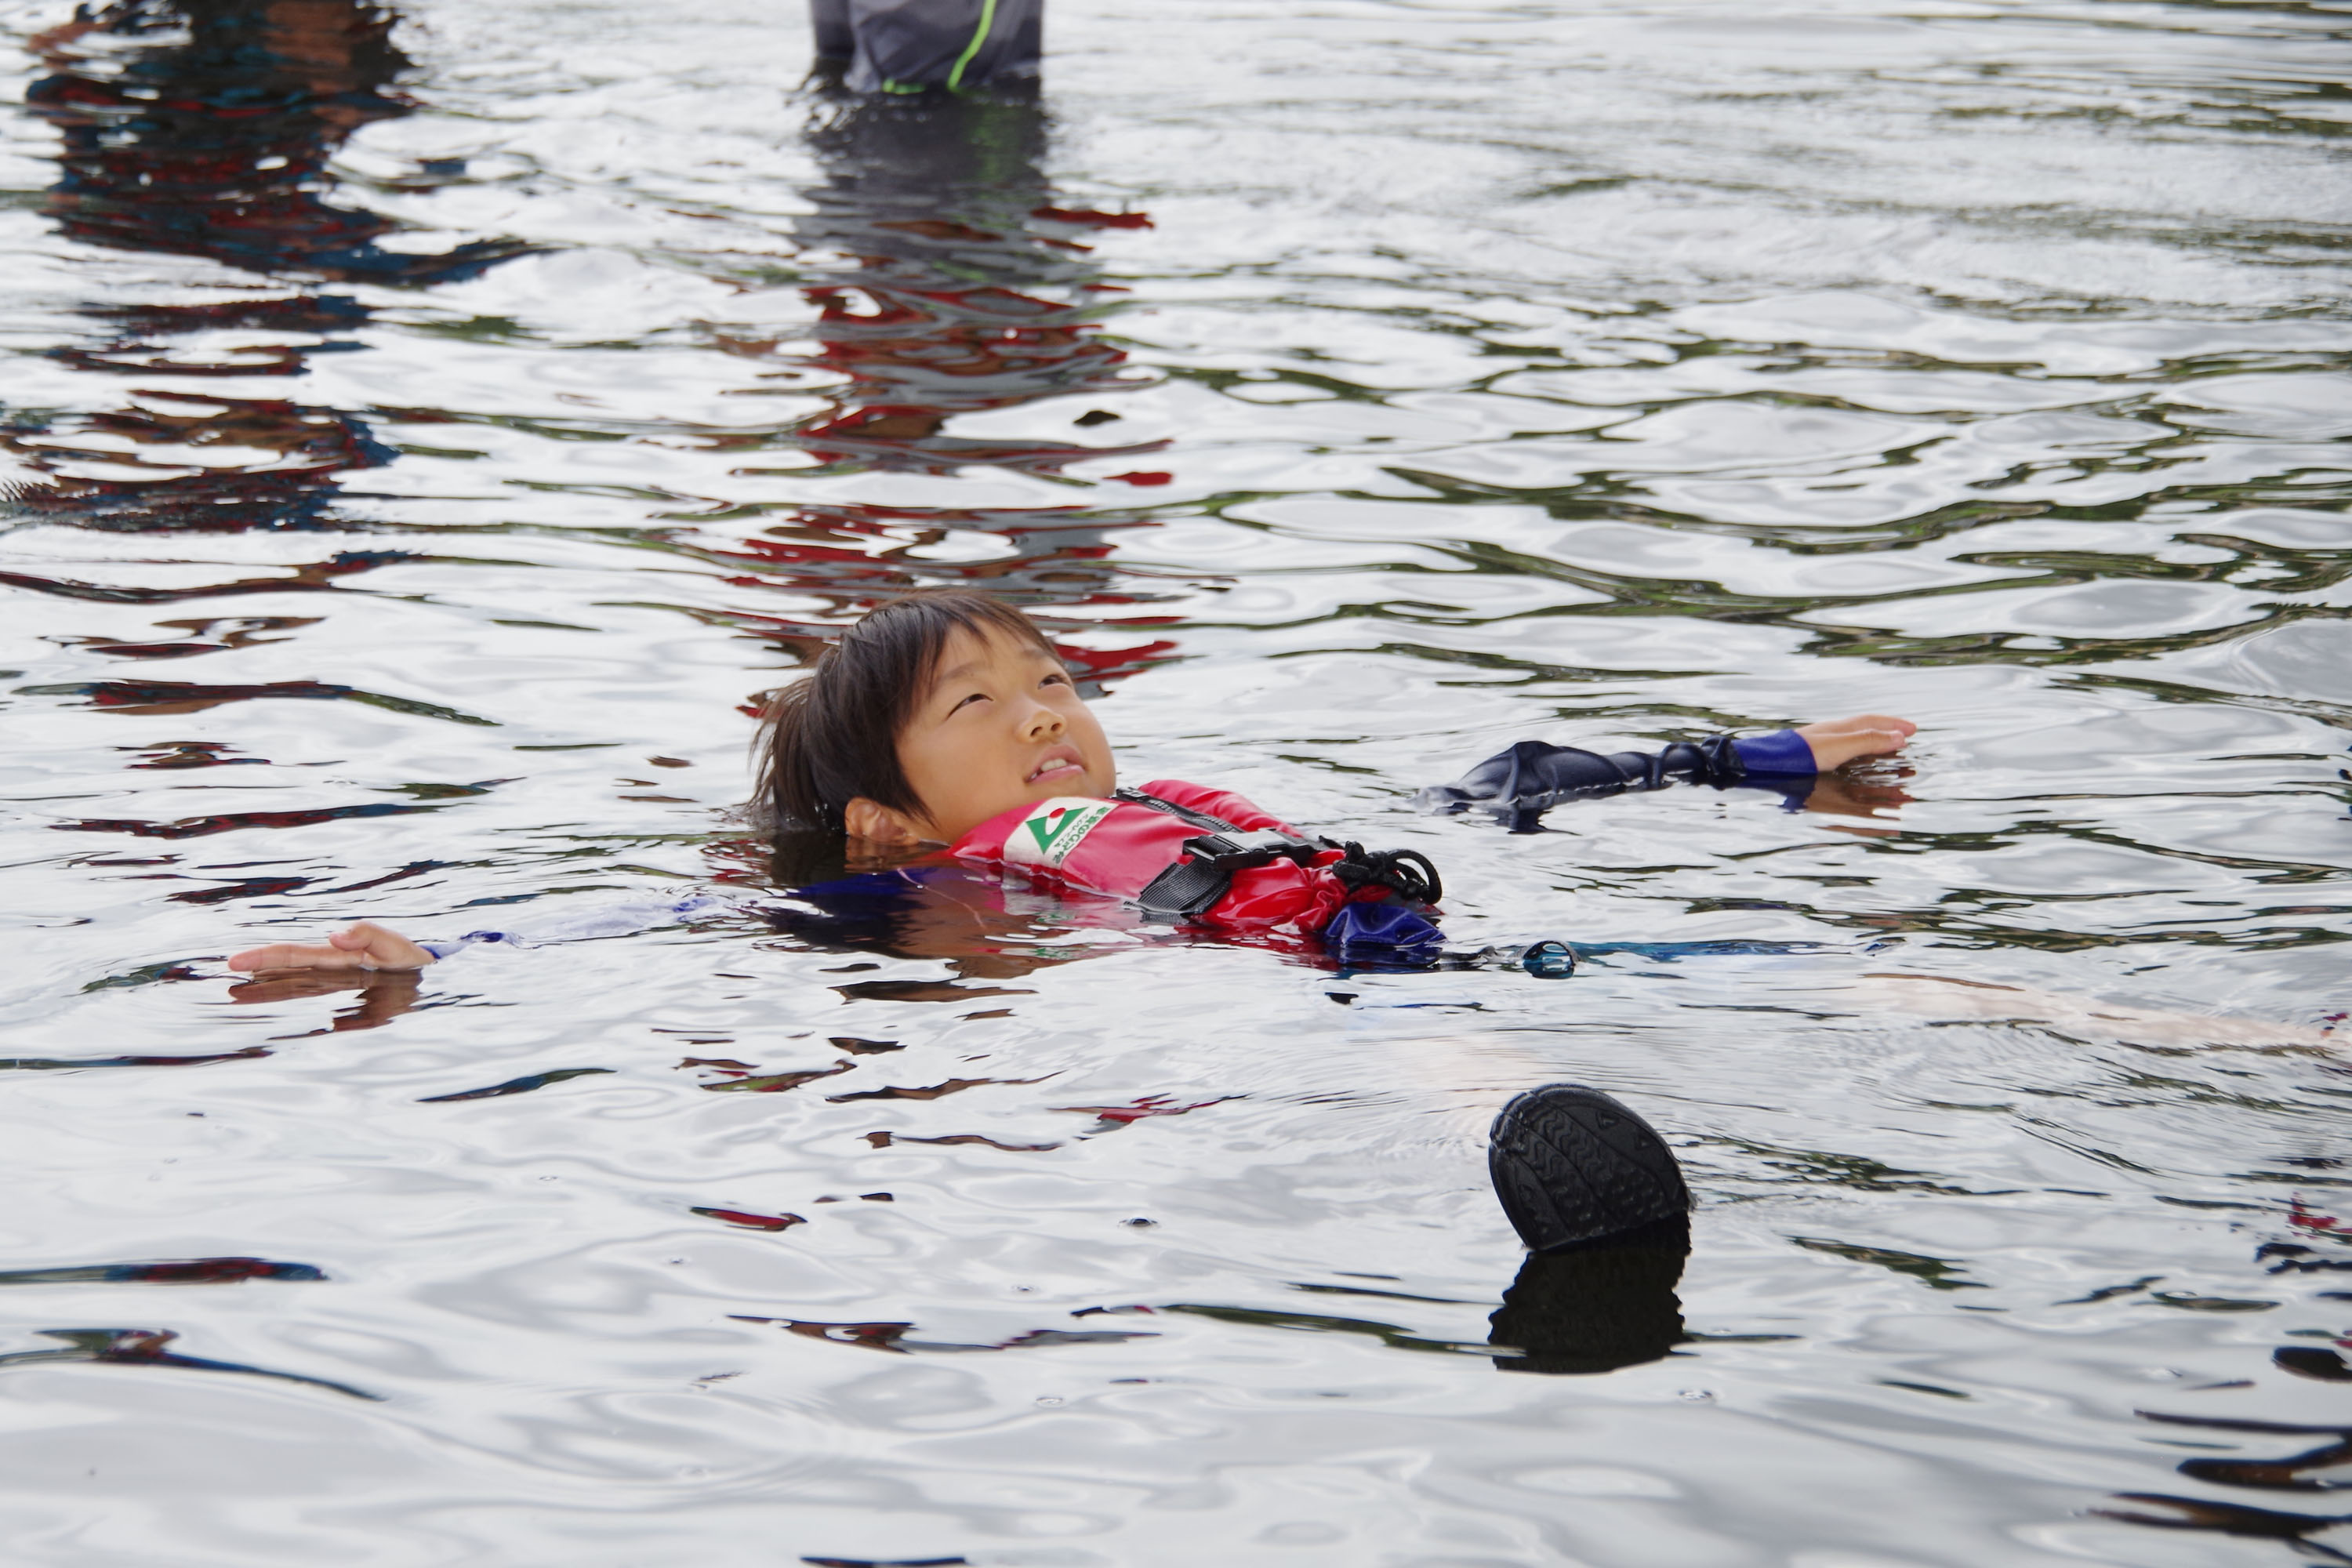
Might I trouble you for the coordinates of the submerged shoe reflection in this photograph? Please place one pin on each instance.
(1595, 1307)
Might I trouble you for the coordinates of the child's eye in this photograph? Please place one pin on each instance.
(1057, 678)
(975, 697)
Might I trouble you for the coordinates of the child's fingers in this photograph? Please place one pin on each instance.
(295, 955)
(1869, 724)
(381, 948)
(365, 945)
(1841, 741)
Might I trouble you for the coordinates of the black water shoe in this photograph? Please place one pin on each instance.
(1570, 1165)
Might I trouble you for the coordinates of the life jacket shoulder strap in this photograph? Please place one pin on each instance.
(1193, 886)
(1182, 813)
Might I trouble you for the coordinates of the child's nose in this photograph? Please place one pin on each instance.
(1042, 721)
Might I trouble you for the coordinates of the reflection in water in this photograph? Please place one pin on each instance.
(892, 1337)
(946, 283)
(1596, 1307)
(80, 1064)
(145, 1347)
(315, 575)
(178, 1272)
(2296, 1472)
(948, 245)
(522, 1085)
(2312, 1361)
(383, 994)
(938, 911)
(2231, 1519)
(205, 128)
(2322, 1467)
(986, 928)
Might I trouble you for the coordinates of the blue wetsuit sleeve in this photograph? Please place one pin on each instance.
(608, 920)
(1532, 777)
(1782, 752)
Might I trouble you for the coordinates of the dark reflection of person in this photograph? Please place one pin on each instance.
(940, 233)
(203, 127)
(945, 281)
(932, 911)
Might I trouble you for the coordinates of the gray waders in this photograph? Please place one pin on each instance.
(907, 45)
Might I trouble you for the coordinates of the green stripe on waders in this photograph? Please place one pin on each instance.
(979, 37)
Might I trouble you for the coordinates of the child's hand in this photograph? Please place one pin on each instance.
(1838, 741)
(363, 946)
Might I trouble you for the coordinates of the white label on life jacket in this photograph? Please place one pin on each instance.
(1053, 829)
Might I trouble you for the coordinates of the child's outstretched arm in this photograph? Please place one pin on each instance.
(365, 945)
(1532, 777)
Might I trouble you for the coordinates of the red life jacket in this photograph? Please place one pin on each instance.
(1129, 849)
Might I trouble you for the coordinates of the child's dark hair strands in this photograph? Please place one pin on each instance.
(833, 736)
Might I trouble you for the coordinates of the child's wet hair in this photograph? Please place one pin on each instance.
(834, 736)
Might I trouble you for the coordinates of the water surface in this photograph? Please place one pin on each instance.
(428, 432)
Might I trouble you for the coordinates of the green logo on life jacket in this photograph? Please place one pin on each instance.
(1048, 835)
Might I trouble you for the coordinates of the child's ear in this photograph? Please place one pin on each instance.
(877, 823)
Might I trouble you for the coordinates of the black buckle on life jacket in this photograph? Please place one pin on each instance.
(1192, 886)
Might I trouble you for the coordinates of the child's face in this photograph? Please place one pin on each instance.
(1001, 727)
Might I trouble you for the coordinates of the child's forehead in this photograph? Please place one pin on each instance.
(970, 651)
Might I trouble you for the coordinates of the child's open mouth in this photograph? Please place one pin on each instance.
(1059, 763)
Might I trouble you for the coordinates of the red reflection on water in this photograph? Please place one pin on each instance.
(207, 128)
(951, 285)
(229, 822)
(1136, 1110)
(752, 1221)
(313, 574)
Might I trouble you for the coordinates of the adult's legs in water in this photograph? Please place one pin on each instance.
(908, 46)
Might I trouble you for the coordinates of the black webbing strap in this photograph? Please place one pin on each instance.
(1182, 813)
(1192, 886)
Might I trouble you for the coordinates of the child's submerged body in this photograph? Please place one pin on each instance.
(949, 720)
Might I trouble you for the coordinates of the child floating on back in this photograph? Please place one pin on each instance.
(948, 719)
